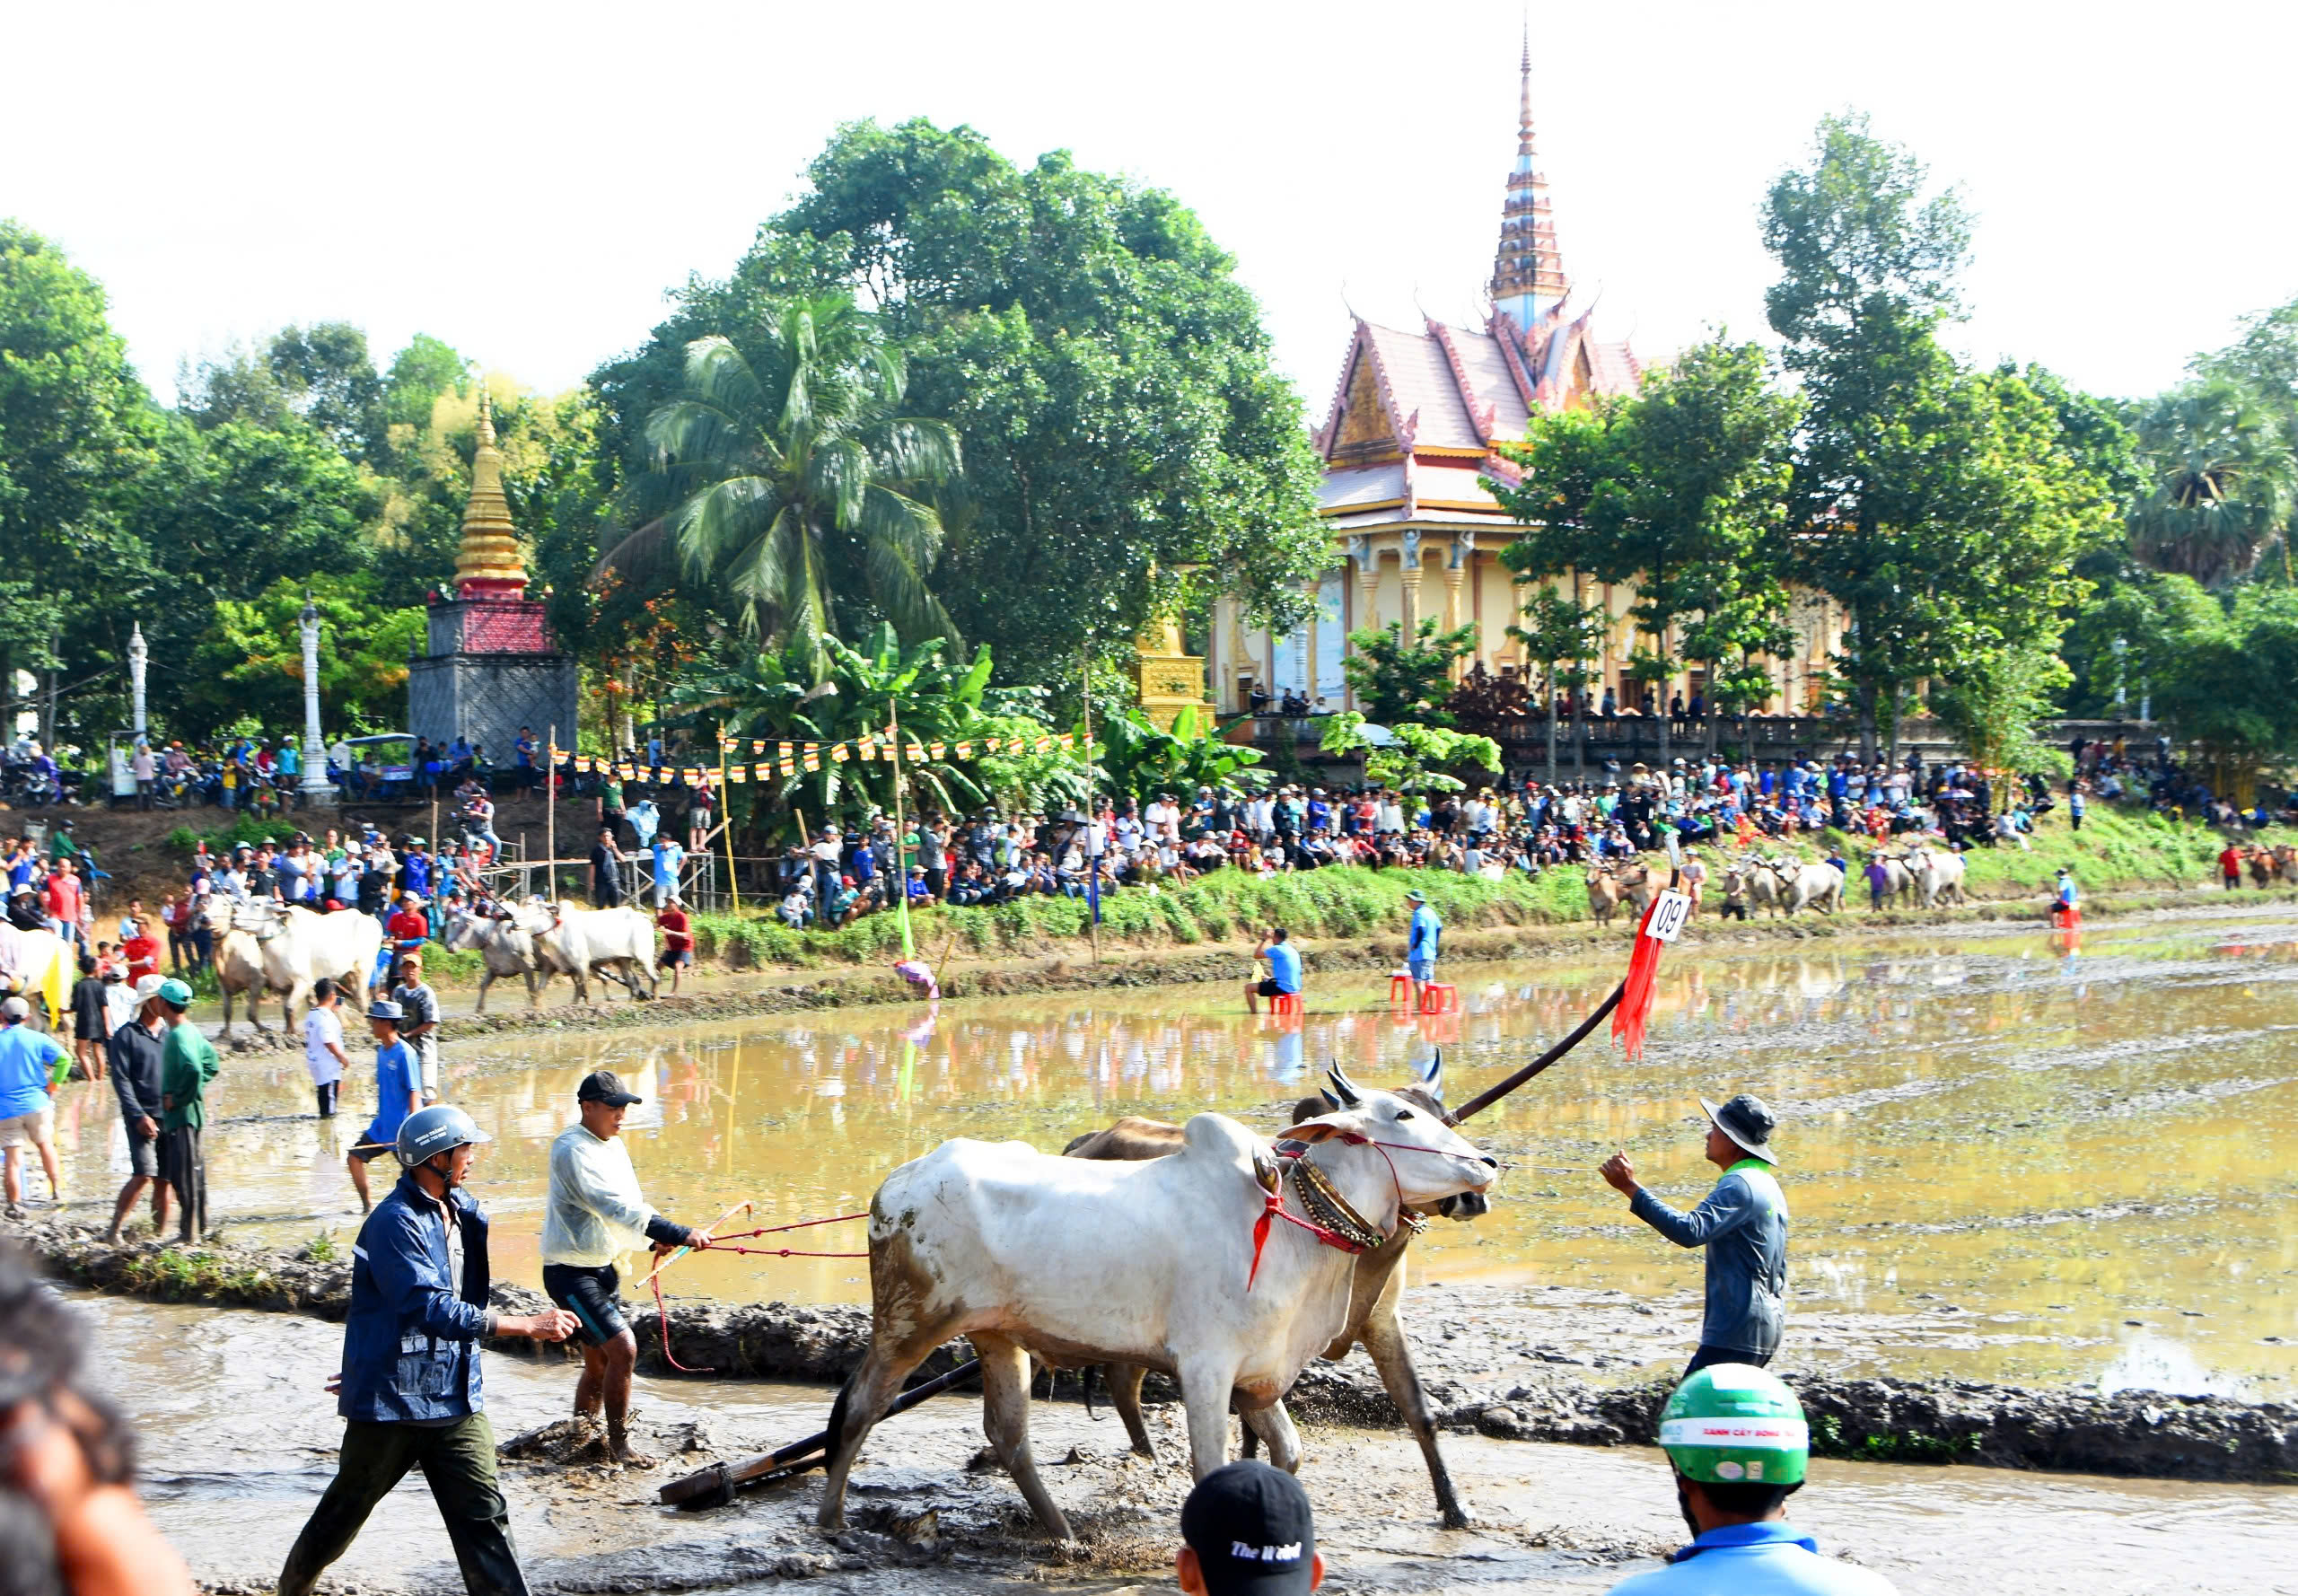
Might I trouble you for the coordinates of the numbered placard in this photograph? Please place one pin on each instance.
(1668, 914)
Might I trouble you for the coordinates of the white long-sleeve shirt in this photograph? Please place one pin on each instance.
(594, 1213)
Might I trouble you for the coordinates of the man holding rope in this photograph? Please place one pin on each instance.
(595, 1215)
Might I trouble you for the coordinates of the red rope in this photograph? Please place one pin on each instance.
(663, 1323)
(781, 1252)
(772, 1230)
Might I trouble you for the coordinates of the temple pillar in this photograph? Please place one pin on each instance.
(1409, 583)
(1456, 566)
(1367, 560)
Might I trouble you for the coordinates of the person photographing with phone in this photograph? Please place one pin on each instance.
(410, 1392)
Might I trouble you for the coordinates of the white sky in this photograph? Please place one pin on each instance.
(524, 180)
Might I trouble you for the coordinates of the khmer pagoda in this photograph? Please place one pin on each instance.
(1410, 448)
(491, 665)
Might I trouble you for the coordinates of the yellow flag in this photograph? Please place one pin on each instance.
(839, 753)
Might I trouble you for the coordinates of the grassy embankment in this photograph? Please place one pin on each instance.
(2116, 851)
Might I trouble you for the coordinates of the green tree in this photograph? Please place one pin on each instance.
(1396, 679)
(1108, 377)
(1941, 509)
(1997, 704)
(248, 659)
(1410, 757)
(420, 373)
(2227, 687)
(789, 481)
(74, 435)
(2221, 478)
(1561, 635)
(1682, 491)
(2150, 615)
(1139, 758)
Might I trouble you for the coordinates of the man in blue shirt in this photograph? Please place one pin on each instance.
(1740, 1445)
(410, 1392)
(1420, 946)
(28, 1069)
(398, 1093)
(1284, 979)
(1743, 1223)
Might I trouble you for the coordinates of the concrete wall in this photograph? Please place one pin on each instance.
(486, 698)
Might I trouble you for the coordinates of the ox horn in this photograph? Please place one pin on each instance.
(1432, 1082)
(1343, 1089)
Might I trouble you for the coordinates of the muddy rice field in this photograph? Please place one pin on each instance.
(2027, 1172)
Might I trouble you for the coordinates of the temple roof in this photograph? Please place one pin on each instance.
(488, 561)
(1417, 417)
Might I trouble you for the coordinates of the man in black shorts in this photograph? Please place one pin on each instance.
(595, 1215)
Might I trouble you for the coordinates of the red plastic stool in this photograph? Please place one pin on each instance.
(1399, 990)
(2066, 918)
(1436, 997)
(1285, 1003)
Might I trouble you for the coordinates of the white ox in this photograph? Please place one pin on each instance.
(261, 947)
(582, 943)
(1938, 876)
(505, 947)
(1079, 1261)
(1808, 886)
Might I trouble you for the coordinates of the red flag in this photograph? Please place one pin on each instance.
(1636, 992)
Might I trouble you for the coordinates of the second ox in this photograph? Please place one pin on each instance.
(1376, 1286)
(1161, 1264)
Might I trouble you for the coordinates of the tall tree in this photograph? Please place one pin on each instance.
(76, 427)
(1681, 490)
(1108, 377)
(1561, 634)
(1941, 509)
(788, 479)
(2221, 480)
(419, 373)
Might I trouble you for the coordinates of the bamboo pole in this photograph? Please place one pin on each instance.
(1093, 859)
(726, 827)
(901, 893)
(550, 816)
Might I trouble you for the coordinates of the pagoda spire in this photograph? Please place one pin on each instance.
(1528, 279)
(488, 565)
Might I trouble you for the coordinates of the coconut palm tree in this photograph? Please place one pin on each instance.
(787, 484)
(2223, 480)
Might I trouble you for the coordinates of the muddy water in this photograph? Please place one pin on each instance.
(2005, 1157)
(238, 1442)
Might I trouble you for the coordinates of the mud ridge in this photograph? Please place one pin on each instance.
(2131, 1432)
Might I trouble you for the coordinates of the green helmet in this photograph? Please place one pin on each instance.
(1734, 1424)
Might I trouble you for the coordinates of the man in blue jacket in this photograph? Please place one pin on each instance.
(1744, 1224)
(409, 1390)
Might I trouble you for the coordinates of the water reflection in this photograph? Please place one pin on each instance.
(1976, 1129)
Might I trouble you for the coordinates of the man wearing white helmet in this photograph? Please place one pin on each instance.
(410, 1392)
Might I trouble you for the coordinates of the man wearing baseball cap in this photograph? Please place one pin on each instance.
(1247, 1531)
(1738, 1444)
(1744, 1224)
(188, 1062)
(134, 1051)
(594, 1215)
(398, 1093)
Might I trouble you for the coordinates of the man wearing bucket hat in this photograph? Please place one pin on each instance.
(410, 1392)
(1738, 1444)
(1744, 1224)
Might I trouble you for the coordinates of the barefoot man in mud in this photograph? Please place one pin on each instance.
(594, 1215)
(1744, 1224)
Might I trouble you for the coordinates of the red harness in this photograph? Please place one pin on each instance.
(1273, 1207)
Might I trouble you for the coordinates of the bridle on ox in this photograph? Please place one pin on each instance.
(1331, 1219)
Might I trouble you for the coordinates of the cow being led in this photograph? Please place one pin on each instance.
(1152, 1263)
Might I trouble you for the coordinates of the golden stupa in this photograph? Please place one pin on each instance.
(487, 563)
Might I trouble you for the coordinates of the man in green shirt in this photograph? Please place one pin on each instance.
(188, 1063)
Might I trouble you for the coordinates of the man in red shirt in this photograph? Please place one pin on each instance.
(677, 939)
(2230, 866)
(142, 951)
(403, 934)
(64, 900)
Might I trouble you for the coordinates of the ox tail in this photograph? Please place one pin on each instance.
(834, 1436)
(1085, 1385)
